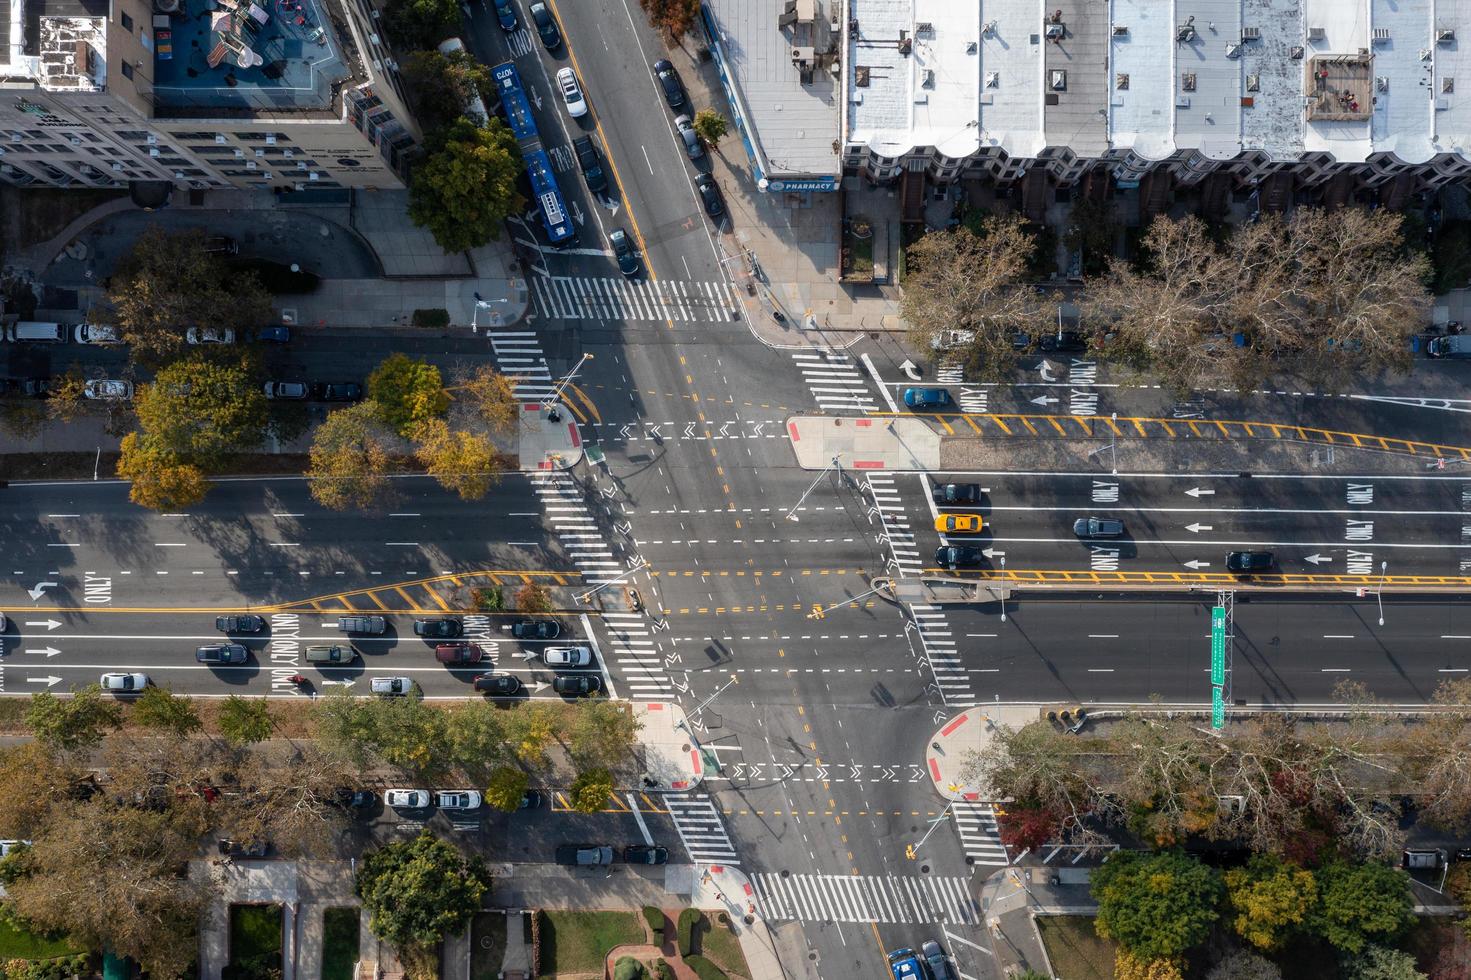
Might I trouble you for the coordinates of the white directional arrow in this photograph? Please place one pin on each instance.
(888, 773)
(48, 681)
(625, 431)
(1198, 492)
(349, 683)
(822, 773)
(40, 589)
(855, 772)
(911, 371)
(689, 431)
(740, 770)
(917, 774)
(1044, 369)
(532, 215)
(50, 624)
(786, 771)
(527, 655)
(624, 528)
(540, 686)
(654, 433)
(1318, 559)
(577, 215)
(48, 651)
(724, 427)
(535, 96)
(1197, 564)
(610, 204)
(756, 769)
(1044, 400)
(1197, 528)
(756, 431)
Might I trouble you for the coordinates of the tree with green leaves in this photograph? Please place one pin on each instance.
(77, 722)
(466, 462)
(530, 730)
(344, 726)
(158, 479)
(420, 24)
(710, 126)
(419, 891)
(466, 187)
(350, 459)
(1269, 900)
(601, 732)
(200, 411)
(476, 733)
(1359, 904)
(591, 790)
(162, 710)
(245, 721)
(441, 86)
(33, 778)
(1381, 963)
(507, 788)
(1244, 965)
(408, 392)
(1155, 906)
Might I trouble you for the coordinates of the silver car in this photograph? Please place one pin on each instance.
(391, 685)
(566, 656)
(691, 138)
(124, 683)
(457, 799)
(406, 799)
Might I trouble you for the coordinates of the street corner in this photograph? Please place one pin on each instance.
(902, 443)
(548, 438)
(673, 763)
(970, 731)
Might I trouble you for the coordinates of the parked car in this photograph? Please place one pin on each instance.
(959, 524)
(1066, 342)
(1098, 527)
(1249, 562)
(406, 799)
(710, 195)
(458, 654)
(497, 685)
(124, 683)
(223, 244)
(36, 387)
(951, 339)
(440, 627)
(6, 846)
(221, 653)
(354, 799)
(576, 685)
(585, 855)
(590, 163)
(1422, 859)
(937, 961)
(959, 556)
(693, 148)
(645, 854)
(624, 253)
(457, 799)
(274, 335)
(536, 629)
(928, 399)
(956, 494)
(571, 91)
(107, 390)
(209, 335)
(371, 625)
(546, 26)
(330, 653)
(391, 685)
(505, 15)
(240, 623)
(566, 656)
(243, 849)
(531, 801)
(337, 391)
(294, 391)
(97, 333)
(671, 85)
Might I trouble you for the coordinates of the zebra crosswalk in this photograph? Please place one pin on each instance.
(701, 829)
(835, 381)
(605, 298)
(634, 658)
(518, 355)
(979, 838)
(866, 898)
(943, 654)
(890, 507)
(576, 527)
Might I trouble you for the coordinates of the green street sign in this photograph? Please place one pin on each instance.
(1218, 645)
(1218, 709)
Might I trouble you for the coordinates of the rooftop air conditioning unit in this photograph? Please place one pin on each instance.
(1055, 32)
(288, 153)
(270, 139)
(219, 138)
(153, 151)
(1445, 35)
(118, 167)
(178, 175)
(373, 39)
(1316, 34)
(312, 176)
(250, 165)
(301, 165)
(1381, 34)
(989, 27)
(239, 153)
(923, 27)
(1182, 102)
(76, 141)
(152, 140)
(1120, 30)
(1251, 34)
(1381, 83)
(1296, 52)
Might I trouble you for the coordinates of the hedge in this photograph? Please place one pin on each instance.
(704, 969)
(628, 968)
(665, 971)
(687, 920)
(655, 918)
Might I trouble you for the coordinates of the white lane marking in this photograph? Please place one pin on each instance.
(597, 652)
(643, 828)
(883, 388)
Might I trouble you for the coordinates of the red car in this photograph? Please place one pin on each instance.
(457, 654)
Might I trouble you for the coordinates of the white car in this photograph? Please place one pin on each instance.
(124, 683)
(210, 335)
(6, 846)
(406, 799)
(457, 799)
(571, 93)
(108, 390)
(391, 685)
(97, 333)
(3, 623)
(286, 390)
(566, 656)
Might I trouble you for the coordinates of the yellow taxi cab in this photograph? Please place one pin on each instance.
(958, 523)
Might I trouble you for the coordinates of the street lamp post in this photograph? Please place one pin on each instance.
(1379, 592)
(791, 514)
(481, 304)
(824, 611)
(1003, 588)
(556, 392)
(933, 824)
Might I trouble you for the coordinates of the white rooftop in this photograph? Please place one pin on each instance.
(1143, 61)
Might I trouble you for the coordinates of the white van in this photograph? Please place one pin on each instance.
(97, 333)
(476, 107)
(36, 332)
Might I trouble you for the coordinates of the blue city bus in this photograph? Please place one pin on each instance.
(554, 218)
(513, 101)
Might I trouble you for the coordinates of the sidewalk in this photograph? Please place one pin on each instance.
(671, 758)
(969, 731)
(1011, 902)
(900, 443)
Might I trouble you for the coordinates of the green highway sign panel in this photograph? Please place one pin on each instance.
(1218, 646)
(1218, 709)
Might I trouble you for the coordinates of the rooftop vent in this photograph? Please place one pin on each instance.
(1057, 79)
(1445, 35)
(924, 27)
(1186, 32)
(219, 138)
(1120, 30)
(993, 79)
(1182, 101)
(989, 27)
(1253, 83)
(929, 78)
(1296, 52)
(1381, 34)
(1233, 50)
(1055, 32)
(1187, 82)
(1316, 34)
(1447, 86)
(1251, 34)
(1381, 83)
(971, 47)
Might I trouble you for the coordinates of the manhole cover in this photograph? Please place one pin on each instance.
(785, 873)
(924, 869)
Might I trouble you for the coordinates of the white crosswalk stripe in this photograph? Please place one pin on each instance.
(576, 527)
(601, 298)
(636, 657)
(929, 900)
(891, 511)
(836, 382)
(938, 640)
(518, 355)
(979, 838)
(701, 829)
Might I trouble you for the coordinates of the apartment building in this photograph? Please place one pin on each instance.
(283, 94)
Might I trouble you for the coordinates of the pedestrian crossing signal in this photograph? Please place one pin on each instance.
(817, 612)
(909, 851)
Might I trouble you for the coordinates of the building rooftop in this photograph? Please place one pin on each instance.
(1272, 66)
(1075, 77)
(1142, 51)
(1011, 77)
(1208, 79)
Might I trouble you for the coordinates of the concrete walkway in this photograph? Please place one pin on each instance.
(671, 758)
(970, 731)
(902, 443)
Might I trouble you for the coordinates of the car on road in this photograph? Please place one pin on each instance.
(624, 253)
(222, 653)
(439, 627)
(928, 399)
(956, 494)
(546, 26)
(951, 339)
(669, 82)
(330, 653)
(286, 391)
(391, 685)
(108, 390)
(496, 685)
(36, 387)
(571, 91)
(458, 654)
(97, 333)
(406, 799)
(124, 683)
(6, 846)
(354, 799)
(531, 801)
(566, 656)
(274, 335)
(959, 556)
(590, 163)
(959, 524)
(904, 965)
(576, 685)
(536, 629)
(209, 335)
(457, 799)
(645, 854)
(243, 849)
(1249, 562)
(1098, 527)
(937, 961)
(710, 195)
(691, 139)
(505, 15)
(337, 391)
(240, 623)
(371, 625)
(585, 855)
(1066, 342)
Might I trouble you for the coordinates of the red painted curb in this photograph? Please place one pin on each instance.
(955, 724)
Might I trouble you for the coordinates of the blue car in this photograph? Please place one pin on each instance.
(505, 12)
(927, 399)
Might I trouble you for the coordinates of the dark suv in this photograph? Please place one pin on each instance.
(1098, 527)
(536, 629)
(591, 164)
(959, 556)
(956, 494)
(457, 654)
(1249, 562)
(337, 391)
(585, 855)
(221, 653)
(670, 83)
(440, 627)
(546, 26)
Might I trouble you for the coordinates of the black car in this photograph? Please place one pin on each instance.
(1098, 527)
(1249, 562)
(936, 960)
(240, 623)
(710, 194)
(956, 494)
(531, 801)
(546, 26)
(354, 799)
(591, 164)
(670, 83)
(1066, 342)
(958, 556)
(585, 855)
(499, 685)
(645, 854)
(337, 391)
(576, 684)
(623, 251)
(221, 653)
(536, 629)
(249, 849)
(36, 387)
(438, 628)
